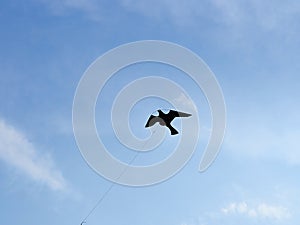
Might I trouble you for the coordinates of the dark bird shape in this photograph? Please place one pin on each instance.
(166, 119)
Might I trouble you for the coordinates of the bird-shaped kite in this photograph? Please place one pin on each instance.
(166, 119)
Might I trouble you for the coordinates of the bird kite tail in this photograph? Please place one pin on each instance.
(173, 130)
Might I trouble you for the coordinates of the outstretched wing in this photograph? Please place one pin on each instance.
(152, 120)
(172, 114)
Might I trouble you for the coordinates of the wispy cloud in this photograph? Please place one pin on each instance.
(238, 17)
(233, 12)
(91, 8)
(177, 12)
(261, 210)
(268, 15)
(184, 102)
(17, 151)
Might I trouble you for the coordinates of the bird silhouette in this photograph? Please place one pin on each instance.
(166, 119)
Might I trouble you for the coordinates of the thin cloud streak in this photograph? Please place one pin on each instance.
(17, 151)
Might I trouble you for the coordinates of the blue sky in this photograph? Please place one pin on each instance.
(251, 46)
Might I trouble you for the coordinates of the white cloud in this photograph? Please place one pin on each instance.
(276, 212)
(261, 211)
(17, 151)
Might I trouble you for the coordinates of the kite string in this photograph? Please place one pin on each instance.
(109, 189)
(112, 185)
